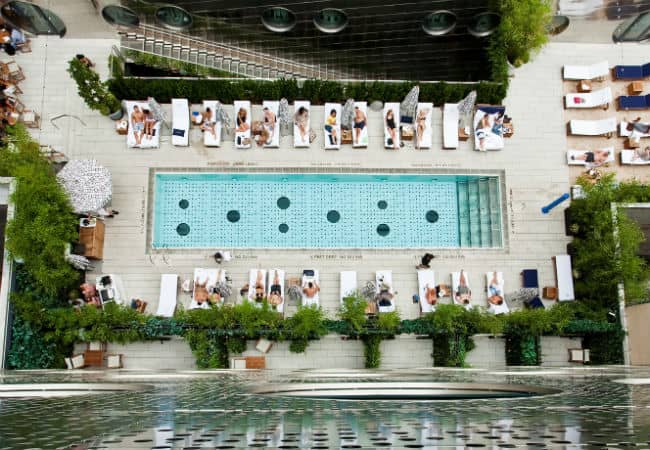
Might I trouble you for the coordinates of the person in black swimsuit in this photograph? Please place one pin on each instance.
(275, 294)
(596, 158)
(390, 126)
(359, 123)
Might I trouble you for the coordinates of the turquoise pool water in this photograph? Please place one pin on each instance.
(264, 210)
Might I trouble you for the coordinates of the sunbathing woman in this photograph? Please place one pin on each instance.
(463, 293)
(242, 125)
(495, 293)
(421, 125)
(301, 120)
(392, 130)
(269, 124)
(208, 124)
(259, 287)
(359, 123)
(149, 123)
(275, 294)
(597, 158)
(330, 127)
(91, 296)
(431, 294)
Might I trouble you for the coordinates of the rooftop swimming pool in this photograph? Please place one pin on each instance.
(325, 210)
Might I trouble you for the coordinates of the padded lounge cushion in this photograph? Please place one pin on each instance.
(634, 101)
(530, 278)
(631, 72)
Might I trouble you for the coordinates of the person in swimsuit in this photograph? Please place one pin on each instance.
(431, 294)
(482, 130)
(310, 289)
(392, 129)
(301, 119)
(385, 296)
(421, 125)
(149, 123)
(596, 158)
(642, 154)
(208, 124)
(463, 293)
(495, 292)
(359, 123)
(269, 124)
(275, 294)
(242, 125)
(137, 123)
(259, 287)
(330, 127)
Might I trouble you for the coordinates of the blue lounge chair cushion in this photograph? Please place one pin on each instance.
(535, 303)
(646, 70)
(634, 101)
(628, 72)
(530, 278)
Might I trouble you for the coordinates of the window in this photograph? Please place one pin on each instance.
(32, 18)
(484, 24)
(330, 20)
(558, 25)
(119, 15)
(278, 19)
(439, 23)
(174, 17)
(634, 29)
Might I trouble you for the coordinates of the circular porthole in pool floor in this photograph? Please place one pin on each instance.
(432, 216)
(403, 391)
(183, 229)
(283, 228)
(383, 229)
(233, 216)
(184, 204)
(284, 203)
(333, 216)
(382, 204)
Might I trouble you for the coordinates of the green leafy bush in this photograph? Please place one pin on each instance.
(182, 67)
(372, 350)
(523, 28)
(307, 323)
(353, 314)
(316, 91)
(92, 89)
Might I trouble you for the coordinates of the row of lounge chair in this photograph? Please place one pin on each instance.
(603, 97)
(601, 127)
(600, 70)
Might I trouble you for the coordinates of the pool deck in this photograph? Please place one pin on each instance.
(533, 163)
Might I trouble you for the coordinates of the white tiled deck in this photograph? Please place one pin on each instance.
(534, 164)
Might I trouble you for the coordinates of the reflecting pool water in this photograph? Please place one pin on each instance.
(595, 407)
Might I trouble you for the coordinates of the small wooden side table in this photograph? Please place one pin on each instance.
(584, 86)
(632, 143)
(635, 87)
(462, 136)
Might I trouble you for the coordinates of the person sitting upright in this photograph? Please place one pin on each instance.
(310, 289)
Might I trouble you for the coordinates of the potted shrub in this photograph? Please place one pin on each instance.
(94, 92)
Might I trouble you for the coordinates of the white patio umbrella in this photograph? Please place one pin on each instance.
(285, 118)
(347, 114)
(221, 115)
(466, 108)
(410, 103)
(88, 185)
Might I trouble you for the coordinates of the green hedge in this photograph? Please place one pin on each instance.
(316, 91)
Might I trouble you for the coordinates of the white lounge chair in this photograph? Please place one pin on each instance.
(348, 283)
(310, 276)
(602, 127)
(180, 122)
(589, 157)
(270, 283)
(385, 277)
(426, 280)
(624, 132)
(489, 136)
(450, 120)
(564, 277)
(167, 298)
(595, 99)
(332, 126)
(423, 129)
(242, 115)
(252, 281)
(273, 129)
(589, 72)
(496, 289)
(360, 129)
(302, 114)
(465, 299)
(391, 126)
(144, 142)
(209, 139)
(634, 158)
(209, 277)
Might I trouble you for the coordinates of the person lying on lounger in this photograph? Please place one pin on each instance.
(597, 158)
(310, 289)
(269, 124)
(495, 292)
(259, 287)
(301, 119)
(637, 127)
(359, 123)
(201, 294)
(482, 130)
(275, 295)
(385, 296)
(642, 154)
(149, 123)
(392, 128)
(242, 125)
(420, 125)
(463, 292)
(208, 124)
(137, 124)
(431, 294)
(330, 127)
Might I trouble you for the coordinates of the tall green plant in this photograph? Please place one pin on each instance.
(307, 323)
(94, 92)
(353, 313)
(523, 28)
